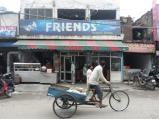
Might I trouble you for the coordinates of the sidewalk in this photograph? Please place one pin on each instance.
(116, 86)
(44, 87)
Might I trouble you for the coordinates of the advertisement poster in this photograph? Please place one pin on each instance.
(7, 31)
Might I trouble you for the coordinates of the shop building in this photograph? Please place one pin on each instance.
(141, 47)
(72, 32)
(155, 21)
(8, 33)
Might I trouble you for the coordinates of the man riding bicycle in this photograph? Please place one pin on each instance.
(96, 76)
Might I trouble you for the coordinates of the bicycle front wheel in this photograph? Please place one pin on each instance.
(119, 100)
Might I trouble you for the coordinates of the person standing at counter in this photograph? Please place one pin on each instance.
(84, 73)
(73, 72)
(48, 65)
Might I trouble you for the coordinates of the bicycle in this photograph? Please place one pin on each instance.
(116, 98)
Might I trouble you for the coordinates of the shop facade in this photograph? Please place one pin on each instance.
(113, 70)
(62, 57)
(139, 56)
(72, 33)
(80, 49)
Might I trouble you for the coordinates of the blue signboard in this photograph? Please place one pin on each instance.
(69, 27)
(7, 31)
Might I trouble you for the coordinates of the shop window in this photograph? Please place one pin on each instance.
(72, 14)
(95, 60)
(103, 14)
(33, 14)
(116, 64)
(142, 34)
(38, 13)
(48, 13)
(26, 13)
(41, 14)
(104, 53)
(117, 54)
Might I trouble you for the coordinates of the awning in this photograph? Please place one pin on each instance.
(72, 45)
(7, 44)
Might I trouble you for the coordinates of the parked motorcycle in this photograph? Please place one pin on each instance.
(146, 81)
(8, 78)
(6, 85)
(153, 72)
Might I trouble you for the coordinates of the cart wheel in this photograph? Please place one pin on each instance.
(65, 106)
(119, 100)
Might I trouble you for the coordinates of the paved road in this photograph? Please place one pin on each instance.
(28, 104)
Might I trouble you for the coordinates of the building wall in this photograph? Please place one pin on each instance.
(9, 19)
(138, 59)
(126, 27)
(155, 21)
(71, 4)
(145, 20)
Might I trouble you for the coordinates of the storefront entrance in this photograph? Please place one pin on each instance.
(112, 71)
(65, 74)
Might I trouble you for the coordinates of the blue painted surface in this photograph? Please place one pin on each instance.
(69, 27)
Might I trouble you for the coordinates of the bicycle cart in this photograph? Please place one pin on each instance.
(66, 101)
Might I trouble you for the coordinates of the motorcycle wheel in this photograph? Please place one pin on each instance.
(142, 82)
(150, 86)
(8, 94)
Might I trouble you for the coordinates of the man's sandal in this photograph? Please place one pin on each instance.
(101, 106)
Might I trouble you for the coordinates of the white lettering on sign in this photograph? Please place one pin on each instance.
(48, 26)
(63, 27)
(86, 26)
(70, 27)
(56, 27)
(77, 27)
(7, 31)
(5, 28)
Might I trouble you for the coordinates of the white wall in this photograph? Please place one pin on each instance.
(73, 4)
(9, 19)
(116, 76)
(94, 4)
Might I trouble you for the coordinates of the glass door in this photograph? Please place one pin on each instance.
(62, 69)
(68, 60)
(116, 69)
(65, 74)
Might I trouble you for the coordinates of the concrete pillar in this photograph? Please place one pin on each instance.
(88, 15)
(54, 10)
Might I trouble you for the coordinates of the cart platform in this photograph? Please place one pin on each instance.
(57, 90)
